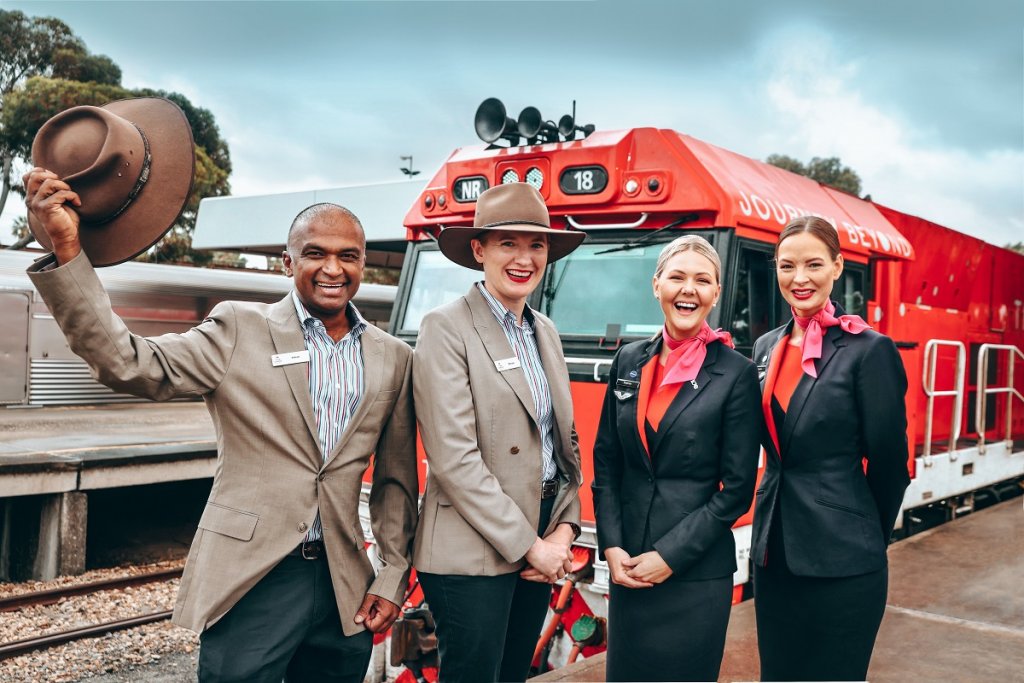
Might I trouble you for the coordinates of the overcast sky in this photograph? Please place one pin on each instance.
(923, 98)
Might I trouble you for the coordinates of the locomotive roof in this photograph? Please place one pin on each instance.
(723, 188)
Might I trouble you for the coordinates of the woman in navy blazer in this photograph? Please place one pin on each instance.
(833, 399)
(674, 467)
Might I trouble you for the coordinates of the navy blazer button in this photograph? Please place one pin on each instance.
(302, 526)
(514, 450)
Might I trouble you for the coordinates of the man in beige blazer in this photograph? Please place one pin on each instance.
(278, 581)
(496, 419)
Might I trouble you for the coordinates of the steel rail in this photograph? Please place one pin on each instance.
(49, 597)
(18, 647)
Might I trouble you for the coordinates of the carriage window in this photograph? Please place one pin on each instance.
(588, 291)
(756, 294)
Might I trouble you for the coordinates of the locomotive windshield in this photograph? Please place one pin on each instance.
(601, 290)
(602, 285)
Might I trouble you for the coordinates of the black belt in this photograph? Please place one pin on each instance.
(309, 550)
(549, 488)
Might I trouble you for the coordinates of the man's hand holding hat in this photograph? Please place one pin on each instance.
(48, 198)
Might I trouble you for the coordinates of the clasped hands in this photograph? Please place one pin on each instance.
(642, 571)
(550, 558)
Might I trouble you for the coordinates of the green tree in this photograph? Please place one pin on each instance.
(788, 163)
(28, 47)
(1015, 246)
(827, 171)
(72, 65)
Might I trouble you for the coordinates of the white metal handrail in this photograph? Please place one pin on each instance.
(984, 390)
(597, 362)
(928, 383)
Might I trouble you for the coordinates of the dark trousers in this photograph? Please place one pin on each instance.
(286, 627)
(816, 629)
(487, 626)
(672, 631)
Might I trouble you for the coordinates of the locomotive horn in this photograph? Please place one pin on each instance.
(533, 126)
(493, 123)
(567, 127)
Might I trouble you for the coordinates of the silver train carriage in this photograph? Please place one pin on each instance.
(38, 367)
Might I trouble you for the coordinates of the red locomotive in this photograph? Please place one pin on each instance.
(952, 303)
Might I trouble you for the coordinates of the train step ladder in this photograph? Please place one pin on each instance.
(928, 371)
(984, 391)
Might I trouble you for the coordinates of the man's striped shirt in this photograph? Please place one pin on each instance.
(336, 380)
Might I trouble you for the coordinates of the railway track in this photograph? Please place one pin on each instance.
(53, 596)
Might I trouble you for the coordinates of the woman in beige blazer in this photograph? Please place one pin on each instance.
(492, 400)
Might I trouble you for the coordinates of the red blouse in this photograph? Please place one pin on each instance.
(784, 373)
(651, 407)
(789, 375)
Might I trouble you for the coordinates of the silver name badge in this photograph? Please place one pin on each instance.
(507, 364)
(279, 359)
(626, 389)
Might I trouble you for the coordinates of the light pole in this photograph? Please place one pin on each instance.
(407, 170)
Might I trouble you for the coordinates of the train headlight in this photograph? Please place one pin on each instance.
(509, 176)
(535, 177)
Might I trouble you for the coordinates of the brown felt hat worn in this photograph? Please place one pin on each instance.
(131, 162)
(517, 207)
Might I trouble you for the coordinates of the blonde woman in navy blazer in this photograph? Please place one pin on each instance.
(674, 467)
(833, 398)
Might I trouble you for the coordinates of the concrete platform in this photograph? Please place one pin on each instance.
(52, 450)
(955, 611)
(50, 458)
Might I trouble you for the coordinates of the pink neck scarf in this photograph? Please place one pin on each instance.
(687, 355)
(814, 330)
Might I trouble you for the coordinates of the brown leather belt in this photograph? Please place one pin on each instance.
(549, 488)
(309, 550)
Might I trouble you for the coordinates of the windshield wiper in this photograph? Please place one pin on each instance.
(646, 238)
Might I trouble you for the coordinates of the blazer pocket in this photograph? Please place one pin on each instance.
(840, 507)
(386, 394)
(228, 522)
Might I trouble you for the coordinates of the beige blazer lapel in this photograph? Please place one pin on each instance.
(371, 345)
(498, 348)
(286, 332)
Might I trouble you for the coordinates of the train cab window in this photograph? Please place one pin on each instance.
(599, 288)
(435, 281)
(851, 289)
(755, 305)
